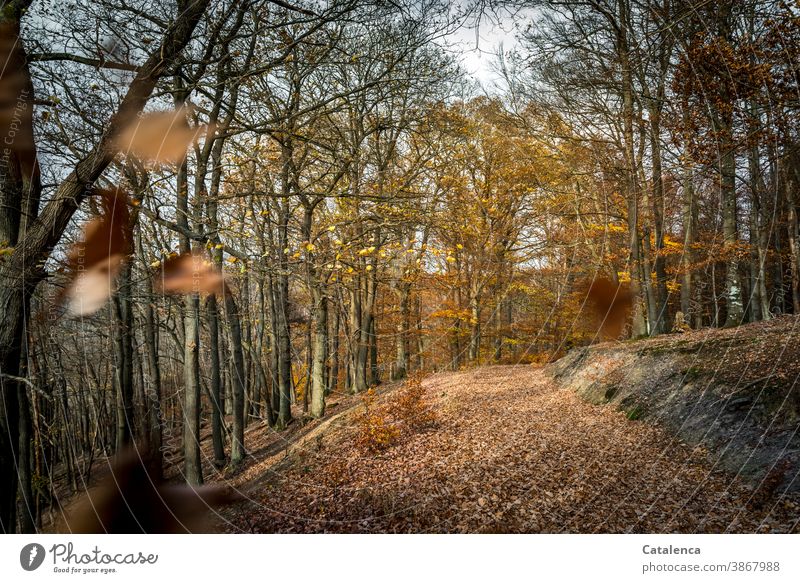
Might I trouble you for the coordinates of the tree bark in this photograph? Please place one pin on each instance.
(21, 272)
(401, 357)
(217, 435)
(689, 221)
(238, 378)
(318, 352)
(123, 364)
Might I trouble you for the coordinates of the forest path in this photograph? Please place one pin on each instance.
(511, 452)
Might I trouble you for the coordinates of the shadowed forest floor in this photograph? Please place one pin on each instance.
(509, 452)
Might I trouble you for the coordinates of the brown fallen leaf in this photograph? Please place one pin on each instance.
(91, 288)
(189, 273)
(610, 303)
(107, 235)
(16, 101)
(134, 500)
(162, 136)
(94, 263)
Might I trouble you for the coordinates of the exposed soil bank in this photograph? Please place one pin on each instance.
(731, 391)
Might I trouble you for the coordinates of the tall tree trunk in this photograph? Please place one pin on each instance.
(154, 410)
(420, 363)
(20, 190)
(687, 260)
(730, 231)
(284, 354)
(497, 320)
(193, 471)
(374, 371)
(474, 325)
(319, 335)
(358, 373)
(661, 295)
(274, 362)
(217, 435)
(282, 300)
(123, 365)
(333, 376)
(722, 118)
(27, 510)
(793, 231)
(401, 357)
(238, 380)
(645, 276)
(631, 194)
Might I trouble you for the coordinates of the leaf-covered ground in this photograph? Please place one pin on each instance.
(510, 452)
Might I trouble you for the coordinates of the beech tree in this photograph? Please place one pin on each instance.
(242, 211)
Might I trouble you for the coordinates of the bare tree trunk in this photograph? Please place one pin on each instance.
(662, 316)
(756, 253)
(217, 435)
(284, 354)
(497, 319)
(794, 253)
(645, 271)
(420, 363)
(282, 300)
(238, 380)
(333, 376)
(319, 347)
(722, 118)
(401, 340)
(638, 327)
(475, 325)
(123, 316)
(374, 371)
(27, 511)
(730, 231)
(361, 321)
(193, 471)
(274, 362)
(154, 411)
(689, 214)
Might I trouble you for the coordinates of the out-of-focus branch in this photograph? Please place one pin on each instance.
(100, 63)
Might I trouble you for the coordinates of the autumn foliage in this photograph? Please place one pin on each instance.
(406, 412)
(376, 431)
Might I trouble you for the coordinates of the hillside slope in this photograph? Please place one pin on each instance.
(732, 391)
(517, 449)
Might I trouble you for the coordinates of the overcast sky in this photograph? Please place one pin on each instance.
(477, 46)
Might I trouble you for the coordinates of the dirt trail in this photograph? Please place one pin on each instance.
(511, 452)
